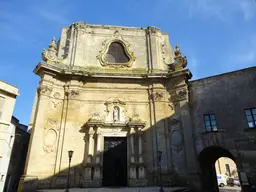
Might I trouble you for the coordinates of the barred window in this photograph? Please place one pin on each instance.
(210, 123)
(251, 117)
(116, 53)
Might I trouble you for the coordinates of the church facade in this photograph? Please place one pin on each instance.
(118, 97)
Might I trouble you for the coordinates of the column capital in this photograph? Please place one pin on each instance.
(99, 131)
(140, 130)
(132, 131)
(91, 131)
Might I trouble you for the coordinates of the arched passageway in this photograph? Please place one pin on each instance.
(207, 159)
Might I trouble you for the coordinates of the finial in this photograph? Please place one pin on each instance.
(180, 62)
(177, 51)
(50, 55)
(53, 43)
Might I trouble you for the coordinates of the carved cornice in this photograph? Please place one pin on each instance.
(82, 72)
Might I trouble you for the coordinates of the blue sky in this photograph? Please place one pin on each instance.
(217, 36)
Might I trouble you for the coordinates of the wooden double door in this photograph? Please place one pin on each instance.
(115, 161)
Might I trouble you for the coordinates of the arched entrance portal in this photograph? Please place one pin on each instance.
(207, 159)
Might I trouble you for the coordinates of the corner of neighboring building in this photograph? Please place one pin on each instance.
(18, 155)
(8, 94)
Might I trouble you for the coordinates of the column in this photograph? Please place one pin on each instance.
(91, 145)
(140, 145)
(98, 145)
(132, 166)
(141, 164)
(88, 169)
(132, 144)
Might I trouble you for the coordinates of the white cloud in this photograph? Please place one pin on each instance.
(224, 10)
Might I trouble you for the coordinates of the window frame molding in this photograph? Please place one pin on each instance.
(211, 131)
(126, 46)
(254, 120)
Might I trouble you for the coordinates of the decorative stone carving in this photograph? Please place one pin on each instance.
(50, 55)
(180, 62)
(56, 103)
(44, 90)
(136, 119)
(73, 94)
(116, 34)
(57, 95)
(96, 117)
(176, 140)
(174, 122)
(157, 96)
(116, 113)
(182, 92)
(116, 110)
(50, 135)
(117, 37)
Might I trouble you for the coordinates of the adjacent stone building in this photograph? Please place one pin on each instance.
(18, 156)
(117, 96)
(226, 166)
(8, 94)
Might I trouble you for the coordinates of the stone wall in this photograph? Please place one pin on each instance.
(81, 45)
(226, 96)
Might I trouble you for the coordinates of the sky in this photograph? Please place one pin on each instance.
(217, 36)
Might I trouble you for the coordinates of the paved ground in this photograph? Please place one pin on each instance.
(230, 189)
(146, 189)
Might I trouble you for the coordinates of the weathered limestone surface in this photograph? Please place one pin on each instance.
(82, 98)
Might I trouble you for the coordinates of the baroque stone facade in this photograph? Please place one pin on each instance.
(102, 82)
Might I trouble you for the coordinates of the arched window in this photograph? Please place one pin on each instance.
(116, 54)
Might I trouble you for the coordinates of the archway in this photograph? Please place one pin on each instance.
(207, 159)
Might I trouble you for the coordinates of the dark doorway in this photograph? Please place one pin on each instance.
(207, 159)
(115, 161)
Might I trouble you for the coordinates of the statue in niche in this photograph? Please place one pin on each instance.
(116, 113)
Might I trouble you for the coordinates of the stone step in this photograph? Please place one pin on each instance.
(141, 189)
